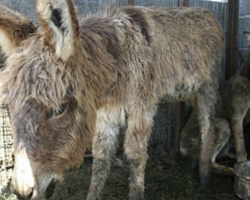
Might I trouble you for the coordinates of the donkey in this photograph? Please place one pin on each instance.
(72, 82)
(232, 115)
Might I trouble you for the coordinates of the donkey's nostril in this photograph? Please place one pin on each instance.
(26, 195)
(30, 193)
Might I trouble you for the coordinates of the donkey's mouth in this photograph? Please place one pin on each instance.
(50, 189)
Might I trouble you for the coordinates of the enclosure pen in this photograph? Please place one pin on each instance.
(167, 176)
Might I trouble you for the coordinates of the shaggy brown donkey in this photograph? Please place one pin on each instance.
(74, 82)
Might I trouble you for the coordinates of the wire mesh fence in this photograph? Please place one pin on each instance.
(6, 141)
(244, 25)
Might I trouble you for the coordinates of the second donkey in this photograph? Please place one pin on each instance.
(232, 114)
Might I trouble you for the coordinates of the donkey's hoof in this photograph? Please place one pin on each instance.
(204, 179)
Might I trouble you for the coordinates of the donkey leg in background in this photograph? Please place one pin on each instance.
(205, 105)
(136, 142)
(104, 148)
(189, 140)
(237, 129)
(221, 139)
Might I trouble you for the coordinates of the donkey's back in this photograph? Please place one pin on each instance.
(167, 52)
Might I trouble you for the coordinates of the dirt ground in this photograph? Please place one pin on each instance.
(167, 177)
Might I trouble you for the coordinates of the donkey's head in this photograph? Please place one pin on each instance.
(43, 85)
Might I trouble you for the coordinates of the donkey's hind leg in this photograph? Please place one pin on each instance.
(237, 128)
(104, 148)
(136, 142)
(221, 139)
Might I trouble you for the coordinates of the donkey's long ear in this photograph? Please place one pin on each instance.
(14, 28)
(59, 22)
(247, 35)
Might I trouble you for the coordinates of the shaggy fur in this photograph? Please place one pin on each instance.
(232, 115)
(74, 83)
(14, 29)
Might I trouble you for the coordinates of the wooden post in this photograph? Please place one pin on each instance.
(180, 107)
(131, 2)
(232, 38)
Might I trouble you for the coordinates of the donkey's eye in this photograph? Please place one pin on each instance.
(51, 113)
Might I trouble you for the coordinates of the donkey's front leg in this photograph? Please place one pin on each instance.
(104, 148)
(100, 170)
(136, 142)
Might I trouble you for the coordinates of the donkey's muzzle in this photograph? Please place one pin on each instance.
(24, 194)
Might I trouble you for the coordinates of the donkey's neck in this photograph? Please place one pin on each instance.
(100, 48)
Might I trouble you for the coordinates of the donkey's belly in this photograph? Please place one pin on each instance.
(179, 89)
